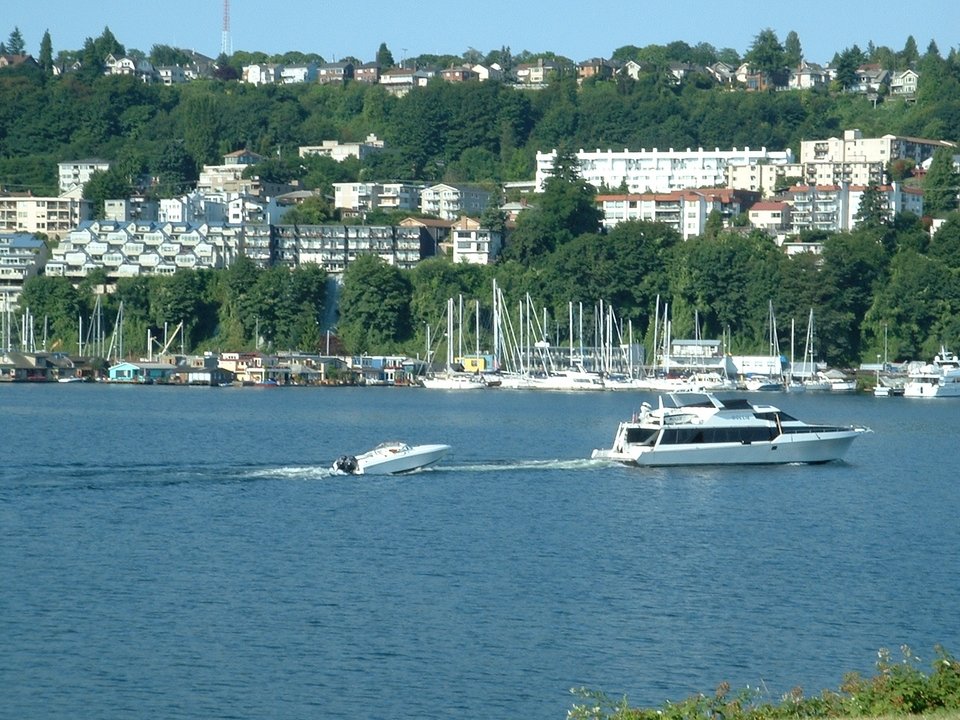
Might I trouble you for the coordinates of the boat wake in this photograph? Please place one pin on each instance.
(577, 464)
(319, 473)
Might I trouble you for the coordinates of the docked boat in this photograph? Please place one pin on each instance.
(701, 429)
(454, 381)
(941, 378)
(390, 458)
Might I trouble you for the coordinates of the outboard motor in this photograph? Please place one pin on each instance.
(346, 464)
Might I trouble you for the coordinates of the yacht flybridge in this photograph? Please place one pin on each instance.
(701, 429)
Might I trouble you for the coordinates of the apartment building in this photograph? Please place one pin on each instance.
(74, 174)
(473, 243)
(834, 208)
(685, 211)
(449, 202)
(335, 247)
(21, 257)
(360, 198)
(659, 171)
(52, 216)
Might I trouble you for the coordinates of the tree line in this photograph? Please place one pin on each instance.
(159, 137)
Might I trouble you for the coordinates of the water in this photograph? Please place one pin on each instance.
(184, 552)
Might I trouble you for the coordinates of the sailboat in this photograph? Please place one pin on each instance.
(794, 384)
(812, 380)
(760, 382)
(449, 378)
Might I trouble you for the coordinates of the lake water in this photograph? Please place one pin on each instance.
(183, 552)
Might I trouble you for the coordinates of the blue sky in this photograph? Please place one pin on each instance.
(578, 30)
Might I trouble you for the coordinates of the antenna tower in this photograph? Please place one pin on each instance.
(226, 46)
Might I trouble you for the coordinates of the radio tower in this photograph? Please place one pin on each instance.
(226, 47)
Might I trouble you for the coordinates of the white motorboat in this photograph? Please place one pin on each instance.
(700, 429)
(941, 378)
(454, 381)
(390, 458)
(762, 383)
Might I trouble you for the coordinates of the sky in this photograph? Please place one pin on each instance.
(576, 30)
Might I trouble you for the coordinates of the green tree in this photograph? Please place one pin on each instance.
(854, 265)
(315, 210)
(374, 306)
(105, 185)
(872, 211)
(165, 55)
(910, 54)
(941, 184)
(793, 52)
(385, 57)
(174, 169)
(847, 63)
(767, 55)
(56, 299)
(565, 210)
(15, 44)
(46, 52)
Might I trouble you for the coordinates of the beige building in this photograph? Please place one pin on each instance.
(53, 216)
(854, 148)
(773, 217)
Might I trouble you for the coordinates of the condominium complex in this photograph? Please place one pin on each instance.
(659, 171)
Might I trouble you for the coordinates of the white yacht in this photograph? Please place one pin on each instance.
(390, 458)
(572, 379)
(701, 429)
(454, 381)
(941, 378)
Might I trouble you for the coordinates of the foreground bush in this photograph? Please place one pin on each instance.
(897, 688)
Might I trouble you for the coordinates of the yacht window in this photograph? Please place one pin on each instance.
(641, 436)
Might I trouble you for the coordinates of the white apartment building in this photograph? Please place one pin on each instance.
(685, 211)
(659, 170)
(53, 216)
(834, 208)
(475, 244)
(75, 173)
(341, 151)
(128, 249)
(449, 202)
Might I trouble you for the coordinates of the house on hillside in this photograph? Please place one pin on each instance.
(903, 84)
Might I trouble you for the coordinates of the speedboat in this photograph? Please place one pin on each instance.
(701, 429)
(390, 458)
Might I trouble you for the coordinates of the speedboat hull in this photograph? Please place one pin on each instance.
(391, 459)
